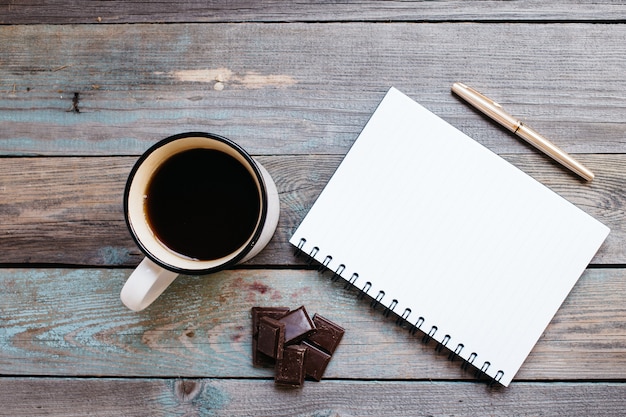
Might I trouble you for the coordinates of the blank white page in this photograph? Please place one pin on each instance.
(482, 254)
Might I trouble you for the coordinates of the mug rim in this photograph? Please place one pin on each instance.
(262, 194)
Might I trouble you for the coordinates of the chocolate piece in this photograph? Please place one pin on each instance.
(315, 361)
(298, 325)
(327, 334)
(258, 358)
(271, 337)
(290, 369)
(296, 345)
(261, 359)
(273, 312)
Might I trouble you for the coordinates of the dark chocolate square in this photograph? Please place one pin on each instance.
(298, 325)
(273, 312)
(315, 361)
(327, 334)
(290, 369)
(258, 358)
(261, 359)
(271, 337)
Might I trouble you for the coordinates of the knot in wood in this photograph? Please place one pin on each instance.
(187, 390)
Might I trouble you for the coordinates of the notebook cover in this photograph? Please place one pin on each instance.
(467, 247)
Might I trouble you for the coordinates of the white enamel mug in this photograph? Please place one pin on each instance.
(164, 261)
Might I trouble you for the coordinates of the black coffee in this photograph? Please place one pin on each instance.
(202, 204)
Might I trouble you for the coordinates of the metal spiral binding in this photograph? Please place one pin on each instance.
(312, 255)
(351, 281)
(497, 378)
(377, 300)
(469, 361)
(442, 344)
(364, 290)
(338, 272)
(480, 372)
(300, 246)
(417, 325)
(389, 310)
(403, 318)
(428, 336)
(324, 265)
(456, 352)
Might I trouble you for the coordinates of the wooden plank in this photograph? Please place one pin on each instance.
(29, 12)
(204, 397)
(70, 322)
(68, 210)
(292, 88)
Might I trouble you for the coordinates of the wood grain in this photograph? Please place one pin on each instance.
(233, 398)
(68, 210)
(29, 12)
(87, 86)
(70, 322)
(295, 89)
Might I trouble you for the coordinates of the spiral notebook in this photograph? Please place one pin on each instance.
(450, 237)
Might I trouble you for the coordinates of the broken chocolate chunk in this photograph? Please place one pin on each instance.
(271, 337)
(327, 334)
(294, 344)
(315, 361)
(298, 325)
(273, 312)
(258, 358)
(261, 359)
(290, 369)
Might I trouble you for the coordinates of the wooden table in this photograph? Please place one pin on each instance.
(86, 87)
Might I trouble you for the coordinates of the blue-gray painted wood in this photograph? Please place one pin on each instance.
(20, 11)
(70, 322)
(117, 89)
(241, 398)
(296, 94)
(69, 210)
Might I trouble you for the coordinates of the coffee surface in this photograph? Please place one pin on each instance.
(202, 204)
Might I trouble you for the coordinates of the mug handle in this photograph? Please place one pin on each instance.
(145, 284)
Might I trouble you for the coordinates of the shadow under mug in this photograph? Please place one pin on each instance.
(180, 191)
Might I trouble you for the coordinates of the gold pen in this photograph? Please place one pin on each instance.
(497, 113)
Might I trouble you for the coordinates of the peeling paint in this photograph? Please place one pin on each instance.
(225, 76)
